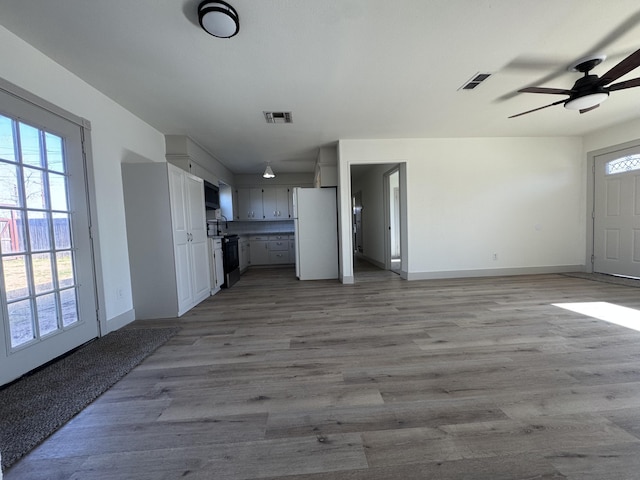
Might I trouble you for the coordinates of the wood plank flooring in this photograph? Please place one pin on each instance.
(385, 379)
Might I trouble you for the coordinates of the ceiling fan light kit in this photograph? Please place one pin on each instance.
(218, 19)
(590, 90)
(587, 101)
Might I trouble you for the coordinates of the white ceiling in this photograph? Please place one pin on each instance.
(344, 68)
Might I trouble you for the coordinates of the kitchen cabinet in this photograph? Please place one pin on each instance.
(167, 239)
(276, 203)
(244, 253)
(217, 265)
(250, 206)
(278, 249)
(259, 245)
(268, 203)
(271, 249)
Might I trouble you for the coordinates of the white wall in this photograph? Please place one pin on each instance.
(616, 135)
(470, 198)
(117, 136)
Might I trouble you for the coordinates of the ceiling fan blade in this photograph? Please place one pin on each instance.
(622, 68)
(585, 110)
(552, 91)
(634, 82)
(539, 108)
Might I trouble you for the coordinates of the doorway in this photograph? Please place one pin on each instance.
(357, 223)
(393, 258)
(376, 201)
(47, 297)
(616, 213)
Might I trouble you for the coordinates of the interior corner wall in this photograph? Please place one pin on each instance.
(116, 136)
(482, 206)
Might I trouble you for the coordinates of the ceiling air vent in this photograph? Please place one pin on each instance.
(278, 117)
(477, 79)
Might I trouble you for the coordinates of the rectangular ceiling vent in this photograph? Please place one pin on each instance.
(477, 79)
(278, 117)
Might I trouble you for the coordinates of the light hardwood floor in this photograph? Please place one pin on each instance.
(385, 379)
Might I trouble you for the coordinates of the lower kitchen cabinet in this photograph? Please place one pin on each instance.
(244, 253)
(259, 246)
(271, 249)
(217, 264)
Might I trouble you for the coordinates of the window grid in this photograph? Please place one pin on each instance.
(37, 262)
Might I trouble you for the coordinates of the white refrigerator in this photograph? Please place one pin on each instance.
(315, 217)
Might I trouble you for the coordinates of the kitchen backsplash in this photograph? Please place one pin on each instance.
(249, 228)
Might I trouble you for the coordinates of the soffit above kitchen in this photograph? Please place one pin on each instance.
(345, 69)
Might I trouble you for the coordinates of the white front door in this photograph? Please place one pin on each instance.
(617, 213)
(47, 295)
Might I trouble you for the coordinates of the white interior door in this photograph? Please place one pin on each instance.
(617, 213)
(47, 295)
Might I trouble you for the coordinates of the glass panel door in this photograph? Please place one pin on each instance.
(37, 260)
(46, 275)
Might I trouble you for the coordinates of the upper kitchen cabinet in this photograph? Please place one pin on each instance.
(167, 239)
(250, 204)
(276, 203)
(183, 152)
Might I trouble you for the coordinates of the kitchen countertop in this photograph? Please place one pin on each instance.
(250, 234)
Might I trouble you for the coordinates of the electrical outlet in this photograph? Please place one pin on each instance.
(495, 256)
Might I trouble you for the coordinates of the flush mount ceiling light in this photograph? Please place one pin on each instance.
(268, 173)
(218, 19)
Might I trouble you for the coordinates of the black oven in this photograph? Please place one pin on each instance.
(231, 260)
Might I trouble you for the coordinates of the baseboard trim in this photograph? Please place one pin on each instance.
(120, 321)
(495, 272)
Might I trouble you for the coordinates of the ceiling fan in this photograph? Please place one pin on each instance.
(590, 90)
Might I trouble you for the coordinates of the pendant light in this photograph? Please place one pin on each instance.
(268, 173)
(218, 19)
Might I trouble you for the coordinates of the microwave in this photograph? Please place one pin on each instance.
(211, 196)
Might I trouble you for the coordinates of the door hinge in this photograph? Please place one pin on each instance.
(593, 258)
(593, 214)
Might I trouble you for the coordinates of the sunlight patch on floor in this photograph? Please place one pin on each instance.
(623, 316)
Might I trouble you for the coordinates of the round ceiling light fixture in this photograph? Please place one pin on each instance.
(218, 19)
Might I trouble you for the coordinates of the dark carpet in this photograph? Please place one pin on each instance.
(36, 405)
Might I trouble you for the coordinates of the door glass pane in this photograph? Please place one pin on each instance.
(11, 231)
(624, 164)
(47, 313)
(69, 307)
(58, 191)
(34, 188)
(9, 193)
(39, 231)
(61, 231)
(7, 146)
(54, 153)
(15, 277)
(65, 269)
(30, 145)
(38, 271)
(21, 322)
(42, 275)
